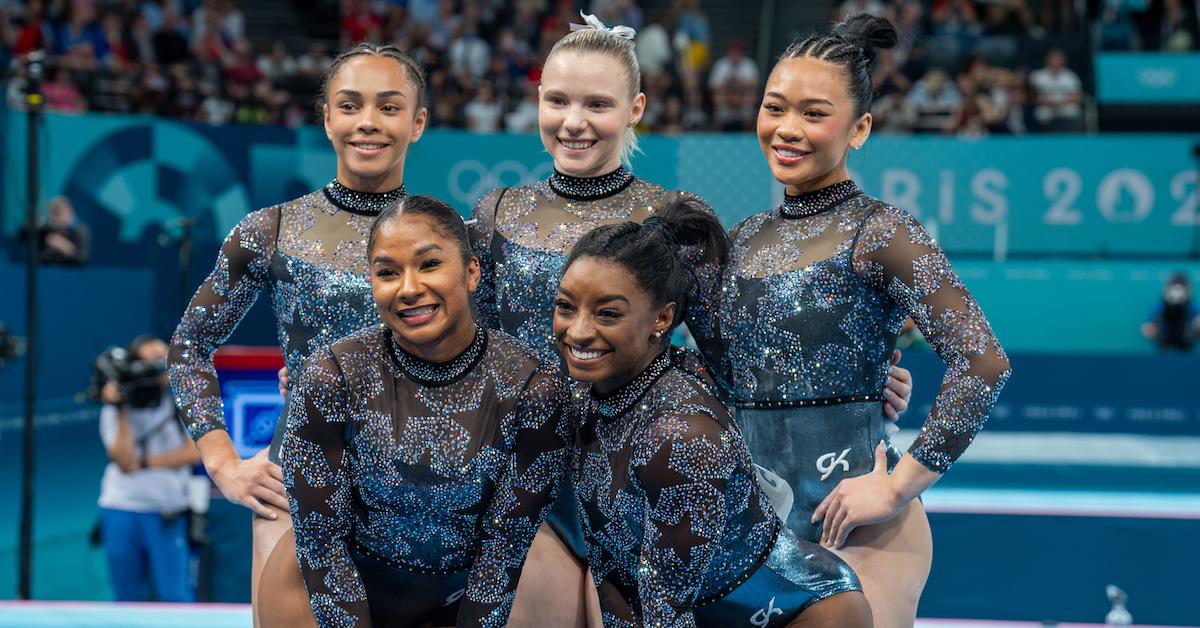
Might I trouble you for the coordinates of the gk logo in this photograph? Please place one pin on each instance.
(763, 616)
(830, 461)
(453, 597)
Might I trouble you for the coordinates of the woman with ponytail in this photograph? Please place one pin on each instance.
(309, 255)
(811, 302)
(678, 531)
(589, 102)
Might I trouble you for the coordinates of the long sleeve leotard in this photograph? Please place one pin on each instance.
(432, 468)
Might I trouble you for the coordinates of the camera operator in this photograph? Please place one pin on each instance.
(143, 496)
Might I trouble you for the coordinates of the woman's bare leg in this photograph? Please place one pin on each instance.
(277, 590)
(892, 561)
(591, 601)
(553, 587)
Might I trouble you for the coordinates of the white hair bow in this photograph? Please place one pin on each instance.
(591, 21)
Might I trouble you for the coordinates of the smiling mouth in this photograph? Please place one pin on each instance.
(369, 146)
(577, 144)
(417, 315)
(789, 154)
(585, 355)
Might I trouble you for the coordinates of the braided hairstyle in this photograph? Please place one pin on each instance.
(447, 222)
(416, 76)
(853, 44)
(651, 251)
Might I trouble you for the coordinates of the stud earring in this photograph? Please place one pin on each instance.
(658, 334)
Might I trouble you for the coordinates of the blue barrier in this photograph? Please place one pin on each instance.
(81, 312)
(1101, 393)
(132, 177)
(1038, 308)
(1160, 78)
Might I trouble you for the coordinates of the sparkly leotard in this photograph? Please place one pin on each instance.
(404, 476)
(311, 255)
(679, 533)
(522, 237)
(807, 315)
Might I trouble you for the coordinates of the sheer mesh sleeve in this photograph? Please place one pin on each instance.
(683, 469)
(317, 475)
(487, 311)
(704, 318)
(525, 490)
(897, 255)
(212, 315)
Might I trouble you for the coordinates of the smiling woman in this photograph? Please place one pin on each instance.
(679, 532)
(808, 313)
(421, 453)
(309, 254)
(418, 284)
(589, 101)
(371, 118)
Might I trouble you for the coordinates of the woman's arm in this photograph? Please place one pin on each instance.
(527, 486)
(896, 254)
(481, 231)
(212, 315)
(317, 474)
(683, 469)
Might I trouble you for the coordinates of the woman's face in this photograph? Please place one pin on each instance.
(605, 324)
(584, 108)
(806, 124)
(371, 117)
(422, 287)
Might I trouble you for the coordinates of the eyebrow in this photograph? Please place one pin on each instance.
(432, 246)
(591, 96)
(604, 299)
(802, 101)
(386, 94)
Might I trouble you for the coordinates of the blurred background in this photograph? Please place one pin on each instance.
(1051, 145)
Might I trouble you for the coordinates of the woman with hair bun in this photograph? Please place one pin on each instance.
(678, 531)
(589, 102)
(811, 302)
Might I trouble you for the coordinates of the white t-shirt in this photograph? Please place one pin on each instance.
(744, 72)
(654, 51)
(483, 117)
(146, 490)
(1057, 87)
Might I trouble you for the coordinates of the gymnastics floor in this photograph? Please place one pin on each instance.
(145, 615)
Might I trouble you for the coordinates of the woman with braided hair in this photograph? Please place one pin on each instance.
(810, 305)
(309, 255)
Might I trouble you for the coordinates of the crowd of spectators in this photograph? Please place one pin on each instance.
(186, 59)
(958, 68)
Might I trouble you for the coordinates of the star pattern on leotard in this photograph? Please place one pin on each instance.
(332, 232)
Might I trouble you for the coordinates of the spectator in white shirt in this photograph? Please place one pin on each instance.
(1059, 94)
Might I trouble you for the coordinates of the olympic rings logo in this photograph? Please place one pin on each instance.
(1157, 78)
(470, 179)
